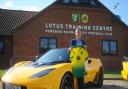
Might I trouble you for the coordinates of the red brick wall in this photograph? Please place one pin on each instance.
(26, 40)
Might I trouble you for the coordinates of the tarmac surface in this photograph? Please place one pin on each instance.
(112, 84)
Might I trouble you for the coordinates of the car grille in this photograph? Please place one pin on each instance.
(11, 86)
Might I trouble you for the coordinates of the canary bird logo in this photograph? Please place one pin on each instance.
(77, 57)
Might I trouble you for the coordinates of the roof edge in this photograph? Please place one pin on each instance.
(44, 10)
(113, 15)
(31, 19)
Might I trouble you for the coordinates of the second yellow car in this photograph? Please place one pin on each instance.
(124, 72)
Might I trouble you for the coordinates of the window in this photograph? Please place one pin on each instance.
(66, 1)
(1, 46)
(105, 47)
(93, 3)
(113, 47)
(127, 46)
(109, 47)
(90, 3)
(85, 1)
(52, 43)
(53, 56)
(47, 44)
(75, 1)
(44, 43)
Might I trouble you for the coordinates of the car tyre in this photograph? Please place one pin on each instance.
(100, 78)
(67, 82)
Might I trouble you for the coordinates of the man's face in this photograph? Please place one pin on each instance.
(78, 34)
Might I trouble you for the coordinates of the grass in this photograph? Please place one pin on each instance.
(1, 73)
(112, 74)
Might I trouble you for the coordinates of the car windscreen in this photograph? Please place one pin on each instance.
(54, 56)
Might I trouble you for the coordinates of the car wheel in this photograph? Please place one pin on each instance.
(67, 82)
(100, 78)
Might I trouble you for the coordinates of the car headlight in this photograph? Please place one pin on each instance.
(42, 73)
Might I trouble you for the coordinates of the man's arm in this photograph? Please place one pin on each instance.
(71, 44)
(84, 44)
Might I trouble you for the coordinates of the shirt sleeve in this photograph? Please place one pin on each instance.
(83, 42)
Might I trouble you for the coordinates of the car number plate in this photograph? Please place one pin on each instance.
(9, 86)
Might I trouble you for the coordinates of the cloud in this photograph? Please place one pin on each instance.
(29, 8)
(9, 4)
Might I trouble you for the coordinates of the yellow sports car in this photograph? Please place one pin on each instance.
(124, 72)
(52, 70)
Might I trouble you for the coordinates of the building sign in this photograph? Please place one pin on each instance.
(86, 29)
(76, 19)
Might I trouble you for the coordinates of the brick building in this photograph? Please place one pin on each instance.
(10, 20)
(105, 34)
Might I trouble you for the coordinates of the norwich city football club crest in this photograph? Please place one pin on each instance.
(74, 17)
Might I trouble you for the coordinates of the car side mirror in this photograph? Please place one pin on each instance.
(36, 57)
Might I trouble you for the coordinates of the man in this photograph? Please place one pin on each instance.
(78, 42)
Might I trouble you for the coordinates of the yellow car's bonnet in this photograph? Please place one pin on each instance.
(26, 71)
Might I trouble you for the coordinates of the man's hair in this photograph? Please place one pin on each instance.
(78, 30)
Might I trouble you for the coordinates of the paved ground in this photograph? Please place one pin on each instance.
(110, 84)
(0, 85)
(113, 84)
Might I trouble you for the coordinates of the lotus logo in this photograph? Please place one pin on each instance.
(80, 17)
(84, 18)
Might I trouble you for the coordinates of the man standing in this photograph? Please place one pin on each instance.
(78, 42)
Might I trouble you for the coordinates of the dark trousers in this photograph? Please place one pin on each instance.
(80, 83)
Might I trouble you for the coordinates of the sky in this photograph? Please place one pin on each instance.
(118, 7)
